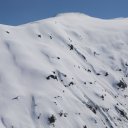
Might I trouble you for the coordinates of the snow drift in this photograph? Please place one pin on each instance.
(70, 71)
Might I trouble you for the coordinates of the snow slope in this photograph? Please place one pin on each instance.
(70, 71)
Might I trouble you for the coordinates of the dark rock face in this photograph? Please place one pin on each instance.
(39, 36)
(92, 108)
(52, 119)
(106, 74)
(71, 47)
(121, 112)
(122, 84)
(51, 76)
(84, 126)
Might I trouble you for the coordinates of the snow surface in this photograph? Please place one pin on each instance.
(69, 66)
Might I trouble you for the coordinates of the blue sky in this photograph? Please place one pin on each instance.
(16, 12)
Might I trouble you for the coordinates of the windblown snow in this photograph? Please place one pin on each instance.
(70, 71)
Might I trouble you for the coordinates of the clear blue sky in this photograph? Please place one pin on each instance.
(15, 12)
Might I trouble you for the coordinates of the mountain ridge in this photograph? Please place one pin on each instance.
(72, 14)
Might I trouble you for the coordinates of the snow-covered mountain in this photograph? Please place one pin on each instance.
(70, 71)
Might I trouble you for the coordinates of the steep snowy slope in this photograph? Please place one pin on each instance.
(70, 71)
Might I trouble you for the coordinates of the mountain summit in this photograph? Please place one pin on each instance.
(69, 71)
